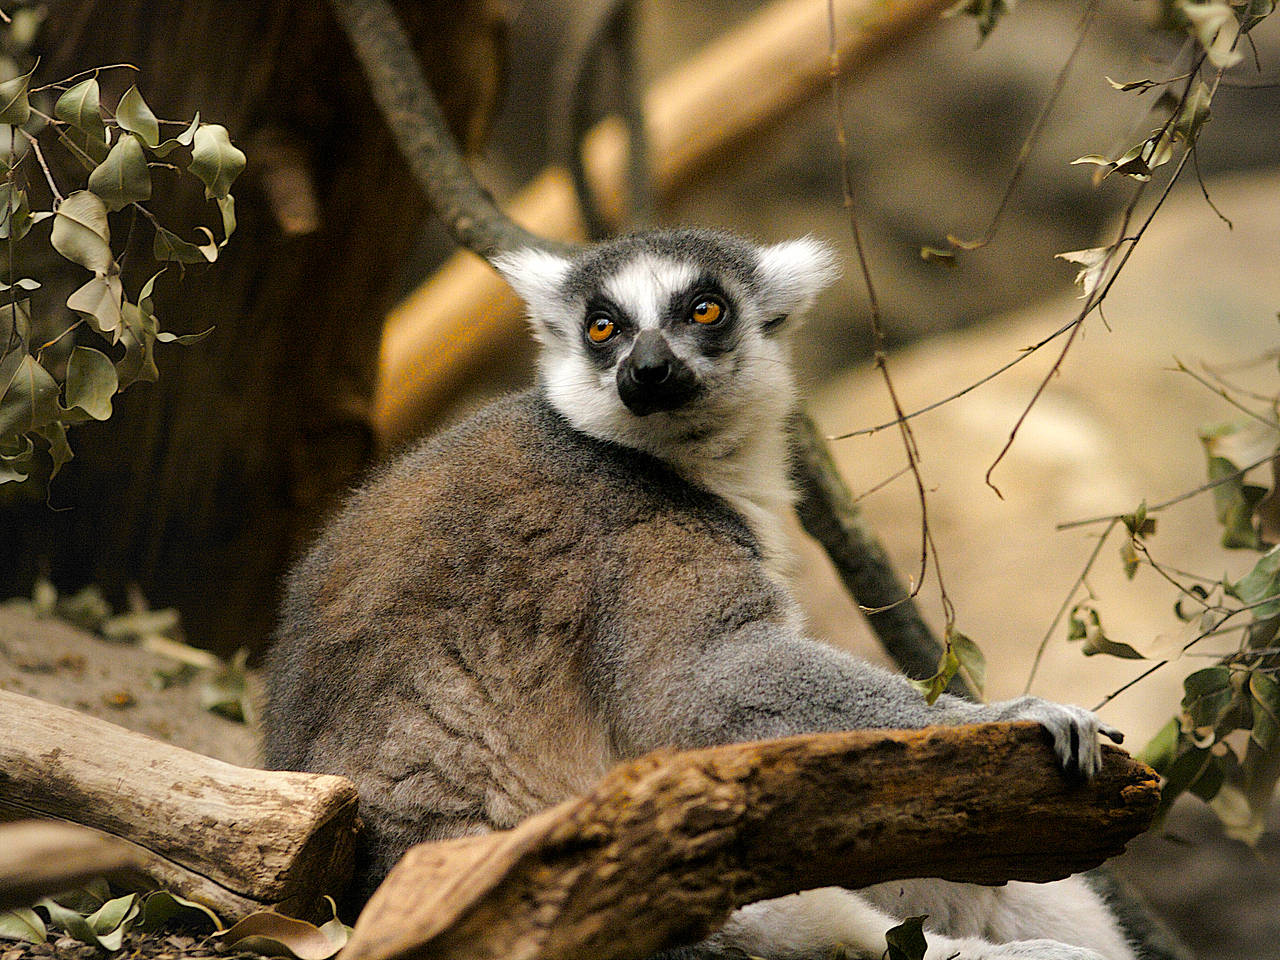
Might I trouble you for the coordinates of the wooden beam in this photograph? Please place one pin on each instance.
(729, 92)
(662, 850)
(234, 838)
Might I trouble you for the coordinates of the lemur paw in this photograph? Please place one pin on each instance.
(1074, 730)
(1017, 950)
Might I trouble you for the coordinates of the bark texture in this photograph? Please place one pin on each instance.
(662, 850)
(234, 838)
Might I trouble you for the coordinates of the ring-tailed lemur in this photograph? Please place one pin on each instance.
(593, 570)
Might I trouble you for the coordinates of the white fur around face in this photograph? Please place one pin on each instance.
(797, 271)
(645, 286)
(732, 440)
(536, 276)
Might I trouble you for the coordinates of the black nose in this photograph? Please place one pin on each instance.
(652, 378)
(651, 359)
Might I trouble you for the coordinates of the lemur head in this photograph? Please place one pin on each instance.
(669, 337)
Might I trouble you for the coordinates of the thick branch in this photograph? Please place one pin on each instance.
(662, 850)
(235, 838)
(410, 109)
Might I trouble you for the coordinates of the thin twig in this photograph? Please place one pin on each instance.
(1219, 391)
(35, 148)
(62, 84)
(908, 439)
(1037, 128)
(1066, 604)
(1204, 487)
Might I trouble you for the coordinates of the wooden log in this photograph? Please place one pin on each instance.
(662, 850)
(234, 838)
(38, 858)
(732, 90)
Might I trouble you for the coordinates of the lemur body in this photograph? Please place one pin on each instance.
(595, 569)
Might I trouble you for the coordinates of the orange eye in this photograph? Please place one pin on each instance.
(600, 328)
(706, 311)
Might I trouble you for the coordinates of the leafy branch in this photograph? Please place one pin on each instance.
(39, 399)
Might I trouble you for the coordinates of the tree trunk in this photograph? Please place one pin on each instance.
(201, 487)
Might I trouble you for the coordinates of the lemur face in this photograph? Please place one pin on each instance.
(666, 334)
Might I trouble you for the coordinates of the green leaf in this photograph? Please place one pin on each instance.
(16, 316)
(15, 213)
(227, 692)
(1215, 28)
(122, 178)
(81, 108)
(134, 115)
(1140, 85)
(1185, 770)
(138, 337)
(169, 246)
(1265, 693)
(986, 13)
(161, 906)
(1258, 584)
(55, 434)
(22, 924)
(185, 339)
(227, 207)
(16, 460)
(80, 231)
(1084, 623)
(181, 140)
(1194, 113)
(91, 382)
(79, 927)
(938, 255)
(972, 662)
(114, 915)
(15, 110)
(1208, 695)
(30, 399)
(100, 301)
(906, 941)
(934, 686)
(1160, 752)
(215, 160)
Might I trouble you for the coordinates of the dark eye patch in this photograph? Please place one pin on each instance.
(713, 339)
(604, 355)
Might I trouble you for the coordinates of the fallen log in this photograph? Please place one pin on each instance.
(233, 838)
(41, 858)
(662, 850)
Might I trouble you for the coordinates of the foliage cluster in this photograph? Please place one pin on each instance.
(42, 395)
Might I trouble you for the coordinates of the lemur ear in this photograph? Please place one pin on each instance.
(792, 274)
(536, 276)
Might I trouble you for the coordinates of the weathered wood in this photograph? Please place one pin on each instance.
(662, 850)
(40, 858)
(232, 837)
(732, 90)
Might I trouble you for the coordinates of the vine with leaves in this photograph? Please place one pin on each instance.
(42, 395)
